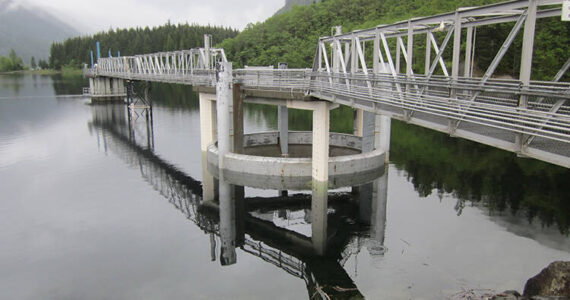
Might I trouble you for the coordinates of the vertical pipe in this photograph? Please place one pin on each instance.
(237, 119)
(92, 63)
(98, 52)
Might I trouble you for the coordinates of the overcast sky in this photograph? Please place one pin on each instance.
(96, 15)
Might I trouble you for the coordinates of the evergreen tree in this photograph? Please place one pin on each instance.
(33, 62)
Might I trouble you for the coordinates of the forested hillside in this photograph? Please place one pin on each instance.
(75, 52)
(292, 36)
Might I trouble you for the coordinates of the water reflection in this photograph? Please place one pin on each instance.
(493, 179)
(287, 231)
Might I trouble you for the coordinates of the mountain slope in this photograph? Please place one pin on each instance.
(292, 36)
(29, 30)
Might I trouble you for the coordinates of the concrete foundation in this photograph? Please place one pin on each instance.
(104, 89)
(266, 170)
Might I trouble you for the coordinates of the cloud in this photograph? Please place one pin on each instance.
(103, 14)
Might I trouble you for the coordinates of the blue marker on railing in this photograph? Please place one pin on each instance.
(91, 58)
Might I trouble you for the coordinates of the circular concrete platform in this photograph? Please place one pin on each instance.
(263, 167)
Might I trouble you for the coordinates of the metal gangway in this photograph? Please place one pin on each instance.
(528, 117)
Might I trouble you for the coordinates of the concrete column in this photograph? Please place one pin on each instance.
(321, 123)
(206, 139)
(227, 224)
(107, 86)
(283, 126)
(378, 216)
(224, 99)
(368, 129)
(319, 203)
(319, 206)
(91, 86)
(120, 86)
(382, 134)
(358, 119)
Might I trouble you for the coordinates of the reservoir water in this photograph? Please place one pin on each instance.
(97, 205)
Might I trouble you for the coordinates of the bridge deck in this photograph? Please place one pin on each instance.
(530, 118)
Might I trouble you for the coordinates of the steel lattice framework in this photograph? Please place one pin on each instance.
(530, 118)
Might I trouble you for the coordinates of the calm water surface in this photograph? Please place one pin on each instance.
(92, 208)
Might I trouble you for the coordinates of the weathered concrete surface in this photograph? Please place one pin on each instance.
(553, 280)
(274, 172)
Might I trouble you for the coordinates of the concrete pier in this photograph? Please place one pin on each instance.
(382, 134)
(207, 137)
(103, 89)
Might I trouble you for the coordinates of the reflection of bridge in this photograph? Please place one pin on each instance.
(530, 118)
(288, 250)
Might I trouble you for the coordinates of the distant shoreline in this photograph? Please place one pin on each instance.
(64, 71)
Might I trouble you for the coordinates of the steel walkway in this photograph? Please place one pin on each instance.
(361, 69)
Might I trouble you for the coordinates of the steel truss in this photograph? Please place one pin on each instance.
(530, 118)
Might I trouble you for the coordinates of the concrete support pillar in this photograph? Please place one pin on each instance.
(378, 216)
(283, 127)
(358, 119)
(207, 137)
(91, 86)
(227, 224)
(321, 124)
(319, 203)
(224, 100)
(319, 207)
(368, 135)
(382, 134)
(107, 85)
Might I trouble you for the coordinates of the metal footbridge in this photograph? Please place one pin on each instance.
(362, 69)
